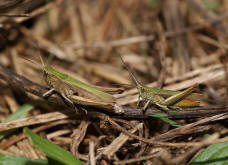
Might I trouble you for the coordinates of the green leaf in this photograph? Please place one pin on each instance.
(20, 114)
(153, 3)
(6, 133)
(215, 154)
(211, 6)
(158, 115)
(19, 160)
(23, 110)
(51, 150)
(163, 117)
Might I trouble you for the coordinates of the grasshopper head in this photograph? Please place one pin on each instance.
(49, 78)
(44, 68)
(141, 90)
(42, 62)
(45, 72)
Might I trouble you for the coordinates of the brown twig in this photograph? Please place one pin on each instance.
(77, 137)
(38, 119)
(92, 153)
(116, 144)
(14, 15)
(157, 143)
(9, 4)
(161, 46)
(39, 11)
(134, 160)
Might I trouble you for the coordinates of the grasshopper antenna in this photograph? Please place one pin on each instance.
(41, 60)
(136, 82)
(34, 62)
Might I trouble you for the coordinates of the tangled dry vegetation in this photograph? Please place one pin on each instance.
(169, 44)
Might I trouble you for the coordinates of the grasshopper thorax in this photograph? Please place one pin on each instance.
(141, 90)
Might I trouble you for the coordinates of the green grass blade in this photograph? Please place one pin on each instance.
(212, 6)
(163, 117)
(19, 114)
(72, 81)
(23, 110)
(153, 4)
(51, 150)
(215, 154)
(20, 160)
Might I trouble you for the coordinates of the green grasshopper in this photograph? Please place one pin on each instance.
(153, 95)
(75, 91)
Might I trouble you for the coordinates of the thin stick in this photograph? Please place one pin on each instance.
(133, 160)
(162, 54)
(41, 60)
(14, 15)
(157, 143)
(39, 11)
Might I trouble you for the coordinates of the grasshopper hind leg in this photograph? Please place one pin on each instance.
(160, 106)
(138, 102)
(164, 108)
(66, 99)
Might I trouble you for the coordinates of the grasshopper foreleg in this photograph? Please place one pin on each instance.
(49, 93)
(72, 103)
(138, 101)
(146, 105)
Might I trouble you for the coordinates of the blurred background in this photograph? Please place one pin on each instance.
(159, 39)
(169, 44)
